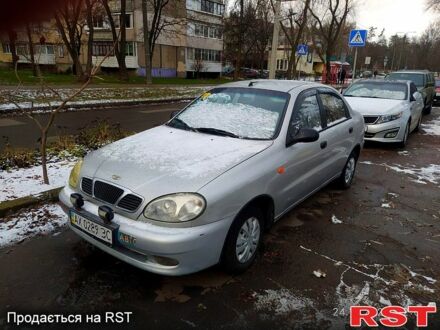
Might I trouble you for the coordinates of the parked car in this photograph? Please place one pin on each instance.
(391, 109)
(425, 82)
(202, 188)
(437, 92)
(248, 73)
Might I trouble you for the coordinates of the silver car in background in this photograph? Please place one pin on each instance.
(392, 109)
(201, 189)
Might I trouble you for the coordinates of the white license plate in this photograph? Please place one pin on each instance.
(437, 94)
(100, 232)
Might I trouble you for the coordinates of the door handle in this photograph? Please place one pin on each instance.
(350, 130)
(323, 144)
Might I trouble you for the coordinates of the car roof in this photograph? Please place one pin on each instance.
(384, 81)
(272, 84)
(412, 71)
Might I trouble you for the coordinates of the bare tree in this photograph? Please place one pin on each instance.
(70, 24)
(15, 97)
(157, 25)
(329, 19)
(119, 39)
(31, 49)
(198, 66)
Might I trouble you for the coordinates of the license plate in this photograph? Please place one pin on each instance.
(437, 94)
(91, 227)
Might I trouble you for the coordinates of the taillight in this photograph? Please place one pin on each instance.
(437, 89)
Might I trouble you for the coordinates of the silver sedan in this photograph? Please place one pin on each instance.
(201, 189)
(392, 109)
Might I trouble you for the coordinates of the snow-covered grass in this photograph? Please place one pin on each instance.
(29, 181)
(99, 96)
(432, 127)
(31, 222)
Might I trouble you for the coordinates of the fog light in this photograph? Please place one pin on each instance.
(105, 213)
(77, 200)
(392, 134)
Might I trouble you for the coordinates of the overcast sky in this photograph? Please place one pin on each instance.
(394, 15)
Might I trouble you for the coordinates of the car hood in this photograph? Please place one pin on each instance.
(166, 160)
(371, 106)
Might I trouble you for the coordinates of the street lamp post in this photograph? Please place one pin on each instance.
(276, 34)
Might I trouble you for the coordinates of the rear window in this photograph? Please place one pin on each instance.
(378, 90)
(417, 78)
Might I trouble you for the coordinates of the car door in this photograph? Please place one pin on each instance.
(302, 161)
(416, 106)
(337, 135)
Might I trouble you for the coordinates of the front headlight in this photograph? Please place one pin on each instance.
(74, 174)
(175, 208)
(388, 118)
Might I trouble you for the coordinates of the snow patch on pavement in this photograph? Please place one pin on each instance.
(335, 220)
(31, 222)
(432, 127)
(29, 181)
(423, 175)
(281, 302)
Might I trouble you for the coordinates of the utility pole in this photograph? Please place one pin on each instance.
(276, 33)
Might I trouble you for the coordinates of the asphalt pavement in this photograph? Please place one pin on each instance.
(377, 243)
(21, 131)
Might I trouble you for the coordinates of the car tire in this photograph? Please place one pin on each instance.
(347, 175)
(404, 142)
(428, 109)
(243, 241)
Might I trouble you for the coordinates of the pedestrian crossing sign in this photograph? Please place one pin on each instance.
(302, 49)
(357, 38)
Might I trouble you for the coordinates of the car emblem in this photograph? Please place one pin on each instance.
(116, 177)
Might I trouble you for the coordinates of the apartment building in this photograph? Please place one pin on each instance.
(195, 36)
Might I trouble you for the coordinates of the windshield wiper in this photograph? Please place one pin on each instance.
(216, 131)
(182, 124)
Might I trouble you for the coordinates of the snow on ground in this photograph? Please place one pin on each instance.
(31, 222)
(29, 181)
(432, 127)
(423, 175)
(101, 96)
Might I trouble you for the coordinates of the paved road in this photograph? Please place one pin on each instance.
(21, 131)
(390, 224)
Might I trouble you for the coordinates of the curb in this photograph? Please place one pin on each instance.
(8, 207)
(90, 106)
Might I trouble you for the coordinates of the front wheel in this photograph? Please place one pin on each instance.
(243, 241)
(347, 175)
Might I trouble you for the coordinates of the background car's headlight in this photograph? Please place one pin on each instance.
(175, 208)
(74, 174)
(387, 118)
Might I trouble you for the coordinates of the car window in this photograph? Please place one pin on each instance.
(248, 113)
(307, 114)
(416, 78)
(334, 108)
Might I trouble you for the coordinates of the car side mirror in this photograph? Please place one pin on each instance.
(303, 135)
(415, 96)
(174, 113)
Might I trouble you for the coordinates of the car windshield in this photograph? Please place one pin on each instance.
(378, 90)
(416, 78)
(236, 112)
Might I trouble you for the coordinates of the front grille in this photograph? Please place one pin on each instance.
(370, 119)
(107, 192)
(130, 202)
(369, 135)
(87, 185)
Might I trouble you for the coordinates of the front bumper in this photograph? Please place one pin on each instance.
(377, 132)
(190, 249)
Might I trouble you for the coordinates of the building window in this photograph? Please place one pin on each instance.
(102, 48)
(128, 20)
(282, 64)
(130, 49)
(207, 55)
(22, 49)
(99, 22)
(45, 49)
(212, 7)
(206, 31)
(6, 48)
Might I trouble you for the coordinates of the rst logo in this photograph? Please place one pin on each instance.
(390, 316)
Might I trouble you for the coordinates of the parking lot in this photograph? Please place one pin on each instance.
(377, 243)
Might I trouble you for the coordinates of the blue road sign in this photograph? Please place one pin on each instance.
(302, 49)
(357, 38)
